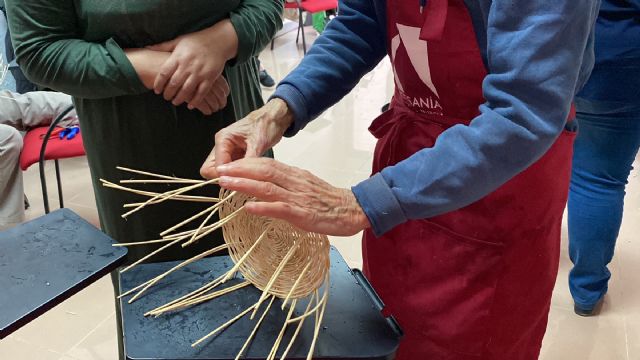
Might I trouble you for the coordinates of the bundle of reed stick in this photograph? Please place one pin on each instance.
(280, 260)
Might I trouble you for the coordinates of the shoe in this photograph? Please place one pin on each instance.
(582, 312)
(266, 80)
(385, 107)
(587, 312)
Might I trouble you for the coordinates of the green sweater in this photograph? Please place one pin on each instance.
(75, 46)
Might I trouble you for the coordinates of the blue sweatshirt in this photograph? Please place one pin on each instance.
(615, 79)
(538, 55)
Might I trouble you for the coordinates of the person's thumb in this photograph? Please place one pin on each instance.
(208, 168)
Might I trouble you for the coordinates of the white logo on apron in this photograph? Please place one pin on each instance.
(418, 53)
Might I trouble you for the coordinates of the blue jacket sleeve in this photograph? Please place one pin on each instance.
(535, 50)
(351, 46)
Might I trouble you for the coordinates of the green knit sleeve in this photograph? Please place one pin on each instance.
(256, 23)
(48, 48)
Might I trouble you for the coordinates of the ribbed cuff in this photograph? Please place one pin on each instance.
(296, 102)
(379, 204)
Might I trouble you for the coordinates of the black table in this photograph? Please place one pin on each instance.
(353, 326)
(45, 261)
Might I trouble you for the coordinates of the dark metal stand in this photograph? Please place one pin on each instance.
(353, 325)
(47, 260)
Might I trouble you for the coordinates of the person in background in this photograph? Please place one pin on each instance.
(15, 80)
(608, 115)
(265, 79)
(151, 81)
(20, 113)
(463, 214)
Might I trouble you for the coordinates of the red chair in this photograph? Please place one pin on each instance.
(38, 147)
(310, 6)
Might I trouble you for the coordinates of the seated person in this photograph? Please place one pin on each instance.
(20, 113)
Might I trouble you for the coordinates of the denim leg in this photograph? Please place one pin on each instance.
(604, 152)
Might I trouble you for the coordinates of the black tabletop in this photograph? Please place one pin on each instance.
(353, 326)
(45, 261)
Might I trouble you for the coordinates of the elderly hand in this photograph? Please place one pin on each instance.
(196, 62)
(294, 195)
(249, 137)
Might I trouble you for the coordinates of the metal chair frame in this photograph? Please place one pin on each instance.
(300, 29)
(43, 149)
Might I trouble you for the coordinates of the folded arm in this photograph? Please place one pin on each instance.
(50, 52)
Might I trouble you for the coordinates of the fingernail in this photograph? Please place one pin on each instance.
(225, 181)
(222, 168)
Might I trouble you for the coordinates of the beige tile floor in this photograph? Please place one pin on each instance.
(338, 148)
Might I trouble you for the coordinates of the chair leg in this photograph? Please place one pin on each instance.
(301, 29)
(59, 184)
(43, 184)
(43, 149)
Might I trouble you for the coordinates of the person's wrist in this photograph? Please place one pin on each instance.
(356, 215)
(280, 114)
(223, 36)
(146, 64)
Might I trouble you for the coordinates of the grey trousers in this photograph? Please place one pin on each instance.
(19, 112)
(11, 187)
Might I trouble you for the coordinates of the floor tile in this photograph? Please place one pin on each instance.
(573, 337)
(350, 248)
(13, 348)
(67, 324)
(100, 344)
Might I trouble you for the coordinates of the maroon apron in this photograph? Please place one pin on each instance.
(474, 283)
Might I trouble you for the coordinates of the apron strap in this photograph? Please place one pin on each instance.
(434, 20)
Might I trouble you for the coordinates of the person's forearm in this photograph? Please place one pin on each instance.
(256, 22)
(224, 36)
(146, 64)
(47, 47)
(528, 99)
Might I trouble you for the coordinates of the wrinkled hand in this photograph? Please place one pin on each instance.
(249, 137)
(294, 195)
(196, 62)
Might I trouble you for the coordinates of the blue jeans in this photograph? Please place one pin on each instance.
(605, 148)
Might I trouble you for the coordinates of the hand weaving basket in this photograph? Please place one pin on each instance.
(280, 260)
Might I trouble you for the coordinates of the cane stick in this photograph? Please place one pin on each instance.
(255, 329)
(225, 325)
